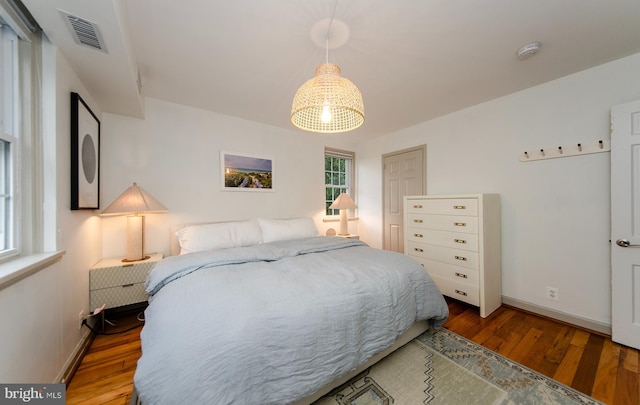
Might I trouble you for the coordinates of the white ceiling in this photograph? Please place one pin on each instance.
(412, 60)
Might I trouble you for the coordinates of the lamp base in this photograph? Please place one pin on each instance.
(125, 260)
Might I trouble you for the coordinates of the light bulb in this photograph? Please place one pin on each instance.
(326, 114)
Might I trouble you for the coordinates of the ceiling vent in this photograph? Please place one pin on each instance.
(84, 32)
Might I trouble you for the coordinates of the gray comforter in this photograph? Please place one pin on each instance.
(273, 323)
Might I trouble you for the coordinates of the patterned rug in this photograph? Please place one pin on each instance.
(445, 368)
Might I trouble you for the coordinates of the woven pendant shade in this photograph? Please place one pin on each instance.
(328, 103)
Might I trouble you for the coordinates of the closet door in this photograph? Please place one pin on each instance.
(403, 174)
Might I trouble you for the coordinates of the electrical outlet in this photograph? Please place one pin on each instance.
(553, 293)
(81, 317)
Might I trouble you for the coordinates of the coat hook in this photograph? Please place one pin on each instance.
(560, 149)
(580, 147)
(600, 144)
(542, 152)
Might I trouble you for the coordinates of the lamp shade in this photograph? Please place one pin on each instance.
(328, 103)
(343, 202)
(134, 200)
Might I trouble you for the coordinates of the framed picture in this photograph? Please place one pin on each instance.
(85, 156)
(245, 173)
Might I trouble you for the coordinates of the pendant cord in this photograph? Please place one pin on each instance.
(333, 15)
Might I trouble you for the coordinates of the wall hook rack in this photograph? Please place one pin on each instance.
(566, 150)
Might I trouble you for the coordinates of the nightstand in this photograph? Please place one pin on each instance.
(350, 236)
(116, 283)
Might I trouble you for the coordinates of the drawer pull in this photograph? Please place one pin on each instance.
(127, 285)
(459, 207)
(459, 224)
(461, 275)
(418, 250)
(417, 206)
(464, 259)
(461, 292)
(127, 265)
(418, 235)
(417, 221)
(460, 241)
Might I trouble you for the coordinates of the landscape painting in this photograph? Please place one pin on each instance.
(246, 173)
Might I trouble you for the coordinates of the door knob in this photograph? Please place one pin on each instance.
(625, 243)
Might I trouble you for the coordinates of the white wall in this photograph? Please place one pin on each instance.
(79, 232)
(40, 313)
(174, 154)
(555, 212)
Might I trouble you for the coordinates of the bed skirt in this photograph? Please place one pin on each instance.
(414, 331)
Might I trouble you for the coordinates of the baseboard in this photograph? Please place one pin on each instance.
(584, 323)
(73, 362)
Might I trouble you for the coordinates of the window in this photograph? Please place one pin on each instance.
(338, 175)
(9, 103)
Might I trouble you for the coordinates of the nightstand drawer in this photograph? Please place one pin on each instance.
(115, 283)
(118, 296)
(118, 276)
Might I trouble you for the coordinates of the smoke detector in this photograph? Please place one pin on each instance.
(528, 50)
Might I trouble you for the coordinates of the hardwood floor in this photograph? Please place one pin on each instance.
(589, 362)
(105, 375)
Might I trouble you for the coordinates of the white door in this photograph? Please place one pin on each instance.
(403, 175)
(625, 224)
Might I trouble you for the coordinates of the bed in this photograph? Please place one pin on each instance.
(267, 312)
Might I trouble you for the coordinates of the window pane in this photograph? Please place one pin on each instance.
(4, 194)
(337, 177)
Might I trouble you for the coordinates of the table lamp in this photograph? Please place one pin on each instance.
(343, 203)
(133, 202)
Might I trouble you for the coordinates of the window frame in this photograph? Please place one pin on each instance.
(348, 187)
(9, 134)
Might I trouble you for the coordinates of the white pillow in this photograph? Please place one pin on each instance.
(287, 229)
(219, 236)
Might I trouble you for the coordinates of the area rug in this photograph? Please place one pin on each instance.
(445, 368)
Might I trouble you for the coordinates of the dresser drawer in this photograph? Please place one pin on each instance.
(443, 222)
(457, 206)
(461, 291)
(457, 257)
(451, 272)
(455, 240)
(118, 296)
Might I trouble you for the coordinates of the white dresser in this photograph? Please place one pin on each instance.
(457, 240)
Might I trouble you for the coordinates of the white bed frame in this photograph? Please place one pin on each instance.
(414, 331)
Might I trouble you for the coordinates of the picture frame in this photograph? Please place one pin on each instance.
(85, 156)
(241, 172)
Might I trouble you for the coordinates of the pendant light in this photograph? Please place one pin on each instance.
(328, 103)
